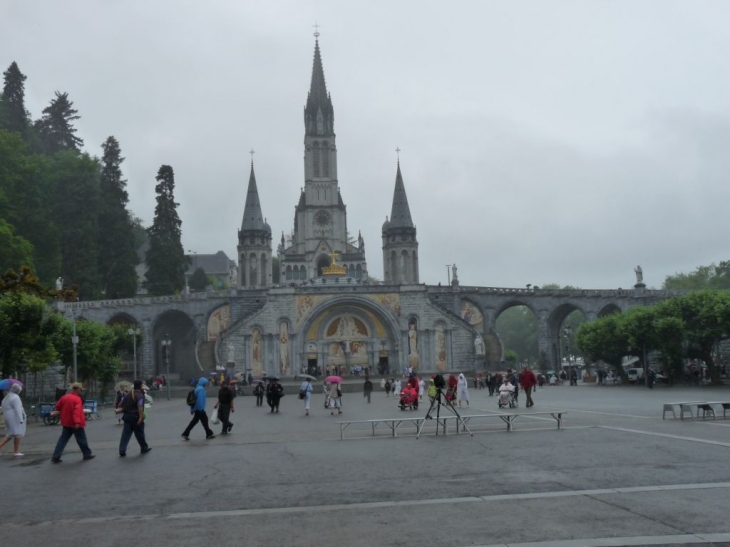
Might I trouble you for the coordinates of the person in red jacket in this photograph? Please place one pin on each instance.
(71, 408)
(528, 381)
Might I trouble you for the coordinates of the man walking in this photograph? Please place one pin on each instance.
(225, 407)
(198, 412)
(133, 416)
(527, 381)
(73, 421)
(367, 388)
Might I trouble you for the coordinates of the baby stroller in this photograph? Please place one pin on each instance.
(408, 398)
(506, 398)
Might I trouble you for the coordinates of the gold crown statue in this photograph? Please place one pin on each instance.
(334, 269)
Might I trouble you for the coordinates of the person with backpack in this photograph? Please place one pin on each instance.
(132, 406)
(196, 401)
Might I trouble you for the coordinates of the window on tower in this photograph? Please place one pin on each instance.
(316, 156)
(325, 159)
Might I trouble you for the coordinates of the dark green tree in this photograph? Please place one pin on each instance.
(199, 281)
(166, 260)
(13, 115)
(605, 339)
(15, 251)
(117, 251)
(76, 179)
(27, 202)
(55, 128)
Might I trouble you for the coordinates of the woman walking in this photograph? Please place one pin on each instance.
(259, 392)
(275, 394)
(15, 419)
(462, 390)
(305, 392)
(336, 399)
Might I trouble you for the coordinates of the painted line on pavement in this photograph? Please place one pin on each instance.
(680, 539)
(665, 435)
(375, 505)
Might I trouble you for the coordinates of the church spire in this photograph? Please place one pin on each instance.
(319, 116)
(400, 214)
(253, 219)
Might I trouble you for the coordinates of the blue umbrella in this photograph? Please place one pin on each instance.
(4, 385)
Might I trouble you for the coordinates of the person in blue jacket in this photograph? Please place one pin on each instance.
(198, 412)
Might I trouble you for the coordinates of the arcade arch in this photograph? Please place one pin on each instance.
(183, 336)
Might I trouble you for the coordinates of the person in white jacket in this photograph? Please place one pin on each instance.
(462, 390)
(15, 419)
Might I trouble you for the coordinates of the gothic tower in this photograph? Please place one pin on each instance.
(400, 246)
(254, 242)
(320, 219)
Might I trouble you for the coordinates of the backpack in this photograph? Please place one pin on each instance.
(192, 398)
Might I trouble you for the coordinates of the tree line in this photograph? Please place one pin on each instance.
(64, 213)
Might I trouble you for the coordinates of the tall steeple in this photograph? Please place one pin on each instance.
(319, 115)
(400, 245)
(400, 214)
(253, 219)
(254, 242)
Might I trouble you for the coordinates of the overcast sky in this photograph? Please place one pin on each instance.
(542, 142)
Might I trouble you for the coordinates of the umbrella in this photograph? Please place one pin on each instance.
(8, 382)
(333, 380)
(306, 376)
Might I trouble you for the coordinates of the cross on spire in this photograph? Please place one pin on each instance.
(397, 151)
(316, 30)
(252, 152)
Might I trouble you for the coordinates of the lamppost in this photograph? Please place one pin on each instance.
(74, 342)
(166, 343)
(567, 331)
(448, 275)
(134, 333)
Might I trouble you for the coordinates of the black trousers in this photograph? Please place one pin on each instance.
(224, 414)
(202, 417)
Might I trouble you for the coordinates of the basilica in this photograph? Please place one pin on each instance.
(324, 313)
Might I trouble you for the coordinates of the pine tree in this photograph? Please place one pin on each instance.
(14, 115)
(55, 128)
(117, 255)
(77, 204)
(166, 258)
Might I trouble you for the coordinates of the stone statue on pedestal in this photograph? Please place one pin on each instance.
(639, 275)
(231, 353)
(59, 283)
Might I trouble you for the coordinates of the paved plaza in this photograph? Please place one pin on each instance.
(617, 474)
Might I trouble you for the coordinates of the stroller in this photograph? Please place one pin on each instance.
(506, 398)
(408, 398)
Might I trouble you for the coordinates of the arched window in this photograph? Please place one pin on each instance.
(253, 270)
(358, 271)
(393, 267)
(414, 268)
(288, 273)
(242, 269)
(264, 269)
(404, 267)
(351, 271)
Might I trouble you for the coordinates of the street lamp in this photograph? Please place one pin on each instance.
(567, 331)
(166, 343)
(448, 274)
(134, 333)
(75, 341)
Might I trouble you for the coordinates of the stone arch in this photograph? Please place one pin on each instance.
(183, 361)
(526, 346)
(555, 325)
(122, 318)
(381, 323)
(609, 309)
